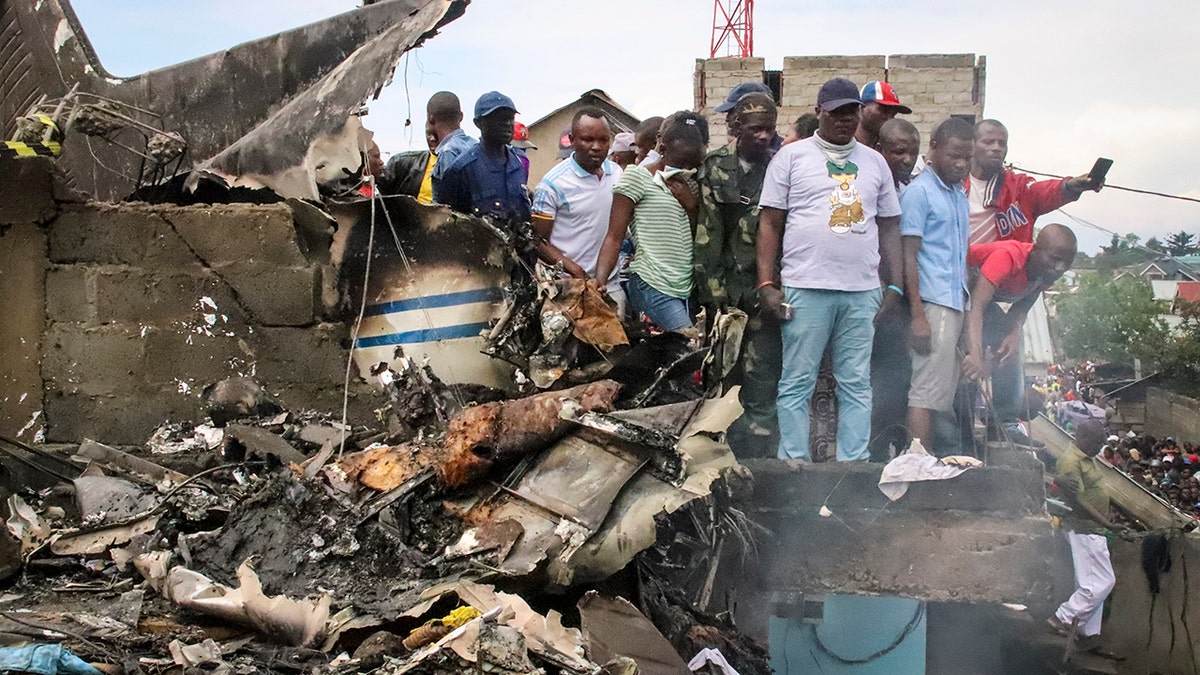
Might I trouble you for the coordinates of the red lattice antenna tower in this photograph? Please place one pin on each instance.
(733, 28)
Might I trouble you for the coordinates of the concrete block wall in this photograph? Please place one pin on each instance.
(1169, 414)
(935, 86)
(803, 76)
(134, 309)
(712, 80)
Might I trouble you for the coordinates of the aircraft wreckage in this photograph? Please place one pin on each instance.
(278, 111)
(515, 452)
(533, 487)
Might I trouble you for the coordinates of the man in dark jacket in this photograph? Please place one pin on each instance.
(411, 173)
(487, 178)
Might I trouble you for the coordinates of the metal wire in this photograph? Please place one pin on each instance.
(362, 308)
(408, 267)
(912, 624)
(1113, 187)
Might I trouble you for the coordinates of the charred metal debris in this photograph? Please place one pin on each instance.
(518, 517)
(464, 534)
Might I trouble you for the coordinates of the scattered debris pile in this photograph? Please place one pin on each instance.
(464, 535)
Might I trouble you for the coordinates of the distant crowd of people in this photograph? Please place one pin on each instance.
(1164, 466)
(911, 271)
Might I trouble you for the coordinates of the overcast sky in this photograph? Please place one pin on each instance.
(1071, 80)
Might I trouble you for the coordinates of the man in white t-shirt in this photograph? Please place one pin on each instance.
(829, 206)
(571, 203)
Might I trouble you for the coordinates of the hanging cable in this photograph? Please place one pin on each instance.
(917, 618)
(362, 309)
(1098, 228)
(1112, 187)
(455, 388)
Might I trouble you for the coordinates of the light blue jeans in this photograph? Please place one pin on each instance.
(846, 321)
(667, 312)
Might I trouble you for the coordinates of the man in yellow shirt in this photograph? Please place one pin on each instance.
(1079, 480)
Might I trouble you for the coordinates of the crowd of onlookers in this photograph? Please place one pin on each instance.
(1163, 466)
(848, 223)
(1064, 385)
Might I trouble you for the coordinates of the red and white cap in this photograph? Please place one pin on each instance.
(520, 137)
(883, 94)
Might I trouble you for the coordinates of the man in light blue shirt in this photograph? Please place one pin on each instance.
(934, 229)
(573, 202)
(444, 117)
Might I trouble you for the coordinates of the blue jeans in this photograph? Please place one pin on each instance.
(1008, 378)
(667, 312)
(844, 319)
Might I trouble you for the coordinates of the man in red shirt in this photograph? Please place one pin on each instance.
(1012, 272)
(1005, 204)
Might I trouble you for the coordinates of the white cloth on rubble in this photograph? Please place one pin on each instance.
(714, 656)
(1094, 580)
(917, 465)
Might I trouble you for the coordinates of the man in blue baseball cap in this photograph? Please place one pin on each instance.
(489, 178)
(740, 91)
(731, 100)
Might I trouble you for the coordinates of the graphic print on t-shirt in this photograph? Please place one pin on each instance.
(845, 206)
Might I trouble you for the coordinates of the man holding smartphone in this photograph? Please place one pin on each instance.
(1004, 205)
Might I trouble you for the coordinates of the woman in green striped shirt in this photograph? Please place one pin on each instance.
(658, 204)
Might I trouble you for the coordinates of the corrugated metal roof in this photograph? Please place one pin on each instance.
(1039, 348)
(1164, 289)
(1189, 291)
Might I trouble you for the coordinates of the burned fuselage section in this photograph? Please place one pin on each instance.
(273, 112)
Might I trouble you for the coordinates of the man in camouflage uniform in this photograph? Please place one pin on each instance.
(726, 269)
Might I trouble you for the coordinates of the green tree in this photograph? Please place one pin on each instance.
(1181, 243)
(1180, 350)
(1107, 319)
(1121, 251)
(1155, 245)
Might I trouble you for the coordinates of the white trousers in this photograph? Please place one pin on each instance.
(1094, 580)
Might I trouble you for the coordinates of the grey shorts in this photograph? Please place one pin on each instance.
(935, 375)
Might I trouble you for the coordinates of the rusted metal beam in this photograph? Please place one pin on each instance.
(501, 432)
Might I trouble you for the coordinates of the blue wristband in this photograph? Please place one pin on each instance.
(894, 287)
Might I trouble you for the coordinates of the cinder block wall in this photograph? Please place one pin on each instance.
(711, 82)
(134, 309)
(935, 86)
(804, 75)
(1173, 415)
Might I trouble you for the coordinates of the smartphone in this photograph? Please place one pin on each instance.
(1100, 170)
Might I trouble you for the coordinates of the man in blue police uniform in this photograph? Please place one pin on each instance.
(488, 178)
